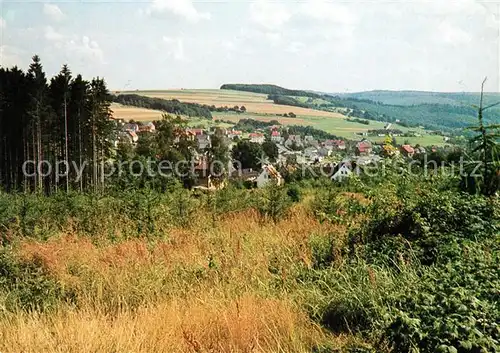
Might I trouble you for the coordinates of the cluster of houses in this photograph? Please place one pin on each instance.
(301, 149)
(129, 131)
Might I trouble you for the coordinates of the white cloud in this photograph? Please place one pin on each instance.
(85, 48)
(453, 35)
(329, 11)
(175, 48)
(74, 46)
(8, 56)
(181, 8)
(269, 15)
(295, 47)
(52, 35)
(3, 24)
(53, 12)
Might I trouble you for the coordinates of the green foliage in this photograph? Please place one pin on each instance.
(311, 131)
(250, 125)
(421, 273)
(293, 192)
(273, 202)
(270, 150)
(249, 154)
(172, 106)
(25, 285)
(268, 89)
(485, 144)
(182, 207)
(454, 308)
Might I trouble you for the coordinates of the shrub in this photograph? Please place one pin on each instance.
(25, 285)
(273, 202)
(294, 193)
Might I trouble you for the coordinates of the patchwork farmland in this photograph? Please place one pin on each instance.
(258, 107)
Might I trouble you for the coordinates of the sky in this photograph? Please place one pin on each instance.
(328, 46)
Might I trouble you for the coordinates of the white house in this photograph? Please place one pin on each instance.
(310, 141)
(276, 136)
(257, 137)
(203, 141)
(325, 152)
(342, 173)
(268, 174)
(311, 153)
(294, 139)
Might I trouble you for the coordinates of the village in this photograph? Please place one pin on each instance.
(340, 158)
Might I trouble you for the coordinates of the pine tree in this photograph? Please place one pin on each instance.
(486, 144)
(38, 112)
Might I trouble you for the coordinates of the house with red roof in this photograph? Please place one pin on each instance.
(257, 137)
(276, 136)
(407, 150)
(364, 148)
(334, 144)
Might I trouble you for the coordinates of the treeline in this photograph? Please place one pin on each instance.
(285, 100)
(269, 89)
(249, 125)
(309, 130)
(46, 126)
(359, 121)
(172, 106)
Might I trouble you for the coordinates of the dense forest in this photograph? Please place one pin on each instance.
(249, 125)
(269, 89)
(56, 122)
(172, 106)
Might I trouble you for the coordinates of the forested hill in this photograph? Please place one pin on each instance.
(172, 106)
(436, 110)
(443, 111)
(421, 97)
(269, 89)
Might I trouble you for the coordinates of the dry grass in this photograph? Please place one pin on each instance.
(253, 102)
(203, 324)
(137, 114)
(204, 289)
(282, 120)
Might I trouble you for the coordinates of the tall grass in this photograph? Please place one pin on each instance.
(209, 284)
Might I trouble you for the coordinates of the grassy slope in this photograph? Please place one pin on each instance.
(253, 102)
(259, 108)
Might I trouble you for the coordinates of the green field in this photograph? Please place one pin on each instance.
(338, 127)
(258, 107)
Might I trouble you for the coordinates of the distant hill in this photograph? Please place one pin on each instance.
(269, 89)
(437, 110)
(421, 97)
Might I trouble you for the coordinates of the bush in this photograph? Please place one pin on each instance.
(25, 285)
(293, 193)
(273, 202)
(449, 311)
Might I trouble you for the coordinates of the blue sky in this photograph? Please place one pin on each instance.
(333, 46)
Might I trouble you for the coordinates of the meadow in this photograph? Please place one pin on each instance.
(368, 266)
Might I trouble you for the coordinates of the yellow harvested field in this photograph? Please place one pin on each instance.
(284, 121)
(134, 113)
(253, 102)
